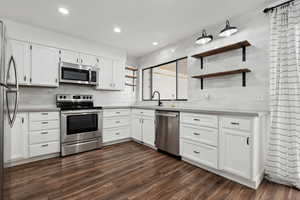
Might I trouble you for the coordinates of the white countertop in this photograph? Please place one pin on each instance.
(204, 110)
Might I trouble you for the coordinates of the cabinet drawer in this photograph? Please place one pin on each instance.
(200, 153)
(110, 135)
(199, 119)
(43, 116)
(44, 125)
(236, 123)
(44, 149)
(200, 134)
(44, 136)
(150, 113)
(116, 112)
(115, 122)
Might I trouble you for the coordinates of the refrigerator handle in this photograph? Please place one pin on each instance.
(13, 90)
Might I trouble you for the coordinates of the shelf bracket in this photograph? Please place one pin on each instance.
(201, 83)
(244, 54)
(201, 62)
(244, 79)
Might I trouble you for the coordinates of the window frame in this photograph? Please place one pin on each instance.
(151, 81)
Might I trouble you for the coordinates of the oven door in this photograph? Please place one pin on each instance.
(72, 73)
(80, 125)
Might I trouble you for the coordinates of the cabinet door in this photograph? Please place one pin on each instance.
(88, 59)
(69, 56)
(105, 74)
(21, 53)
(136, 128)
(44, 66)
(118, 75)
(148, 131)
(16, 139)
(236, 153)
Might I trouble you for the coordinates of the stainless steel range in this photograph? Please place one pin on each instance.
(81, 123)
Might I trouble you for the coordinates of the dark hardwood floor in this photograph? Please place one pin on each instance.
(129, 171)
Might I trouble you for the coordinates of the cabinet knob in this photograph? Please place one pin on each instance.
(44, 133)
(196, 119)
(196, 133)
(45, 145)
(44, 122)
(196, 152)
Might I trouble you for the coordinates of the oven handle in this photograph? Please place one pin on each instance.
(67, 113)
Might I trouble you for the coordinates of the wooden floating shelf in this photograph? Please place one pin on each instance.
(130, 76)
(129, 84)
(223, 49)
(238, 71)
(225, 73)
(131, 68)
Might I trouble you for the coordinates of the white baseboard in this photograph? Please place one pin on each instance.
(29, 160)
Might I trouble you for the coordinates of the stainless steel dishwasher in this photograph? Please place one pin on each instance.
(167, 131)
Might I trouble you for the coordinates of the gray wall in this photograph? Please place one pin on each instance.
(225, 92)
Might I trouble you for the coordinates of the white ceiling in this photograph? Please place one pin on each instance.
(142, 21)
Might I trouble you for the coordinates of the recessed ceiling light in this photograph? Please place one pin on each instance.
(63, 10)
(117, 30)
(155, 43)
(172, 50)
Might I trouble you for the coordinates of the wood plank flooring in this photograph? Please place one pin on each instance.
(129, 171)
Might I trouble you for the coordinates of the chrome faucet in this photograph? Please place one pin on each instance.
(159, 101)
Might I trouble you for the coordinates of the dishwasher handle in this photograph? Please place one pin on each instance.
(166, 115)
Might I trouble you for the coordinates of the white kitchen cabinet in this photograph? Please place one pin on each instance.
(21, 54)
(118, 75)
(87, 59)
(16, 139)
(143, 126)
(69, 56)
(44, 66)
(111, 74)
(136, 128)
(116, 125)
(105, 74)
(236, 153)
(148, 131)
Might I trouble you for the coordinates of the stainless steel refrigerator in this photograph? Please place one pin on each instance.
(9, 96)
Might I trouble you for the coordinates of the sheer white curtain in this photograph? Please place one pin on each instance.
(283, 157)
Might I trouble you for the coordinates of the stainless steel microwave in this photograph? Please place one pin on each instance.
(78, 74)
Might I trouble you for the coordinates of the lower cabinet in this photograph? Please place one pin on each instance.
(204, 154)
(116, 125)
(16, 139)
(136, 128)
(148, 131)
(114, 134)
(33, 134)
(236, 153)
(143, 126)
(232, 146)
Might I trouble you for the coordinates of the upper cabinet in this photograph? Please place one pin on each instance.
(21, 54)
(111, 74)
(44, 66)
(119, 74)
(69, 56)
(78, 58)
(87, 59)
(38, 65)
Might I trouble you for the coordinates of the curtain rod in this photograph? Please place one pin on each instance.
(266, 10)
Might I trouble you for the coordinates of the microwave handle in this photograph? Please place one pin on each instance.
(90, 76)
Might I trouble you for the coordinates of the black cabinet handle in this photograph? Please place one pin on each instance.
(235, 123)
